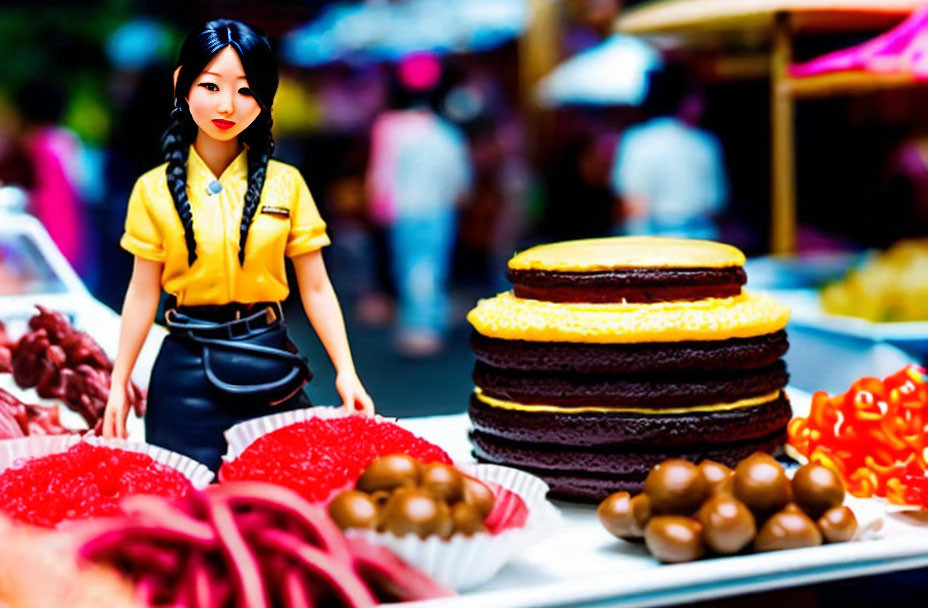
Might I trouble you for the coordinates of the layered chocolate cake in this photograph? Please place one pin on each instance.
(611, 355)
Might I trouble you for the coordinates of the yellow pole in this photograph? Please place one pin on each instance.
(783, 140)
(539, 46)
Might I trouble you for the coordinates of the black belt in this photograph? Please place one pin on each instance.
(214, 321)
(218, 313)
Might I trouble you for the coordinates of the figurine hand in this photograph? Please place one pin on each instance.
(354, 397)
(115, 414)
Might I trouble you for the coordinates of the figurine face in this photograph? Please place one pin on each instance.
(220, 101)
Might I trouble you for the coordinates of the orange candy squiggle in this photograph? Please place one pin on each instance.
(873, 435)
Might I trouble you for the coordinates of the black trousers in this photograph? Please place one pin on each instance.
(188, 415)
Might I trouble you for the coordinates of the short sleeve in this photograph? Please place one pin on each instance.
(307, 229)
(142, 237)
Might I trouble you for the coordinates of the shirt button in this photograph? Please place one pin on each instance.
(215, 186)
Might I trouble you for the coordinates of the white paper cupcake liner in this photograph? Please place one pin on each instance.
(14, 452)
(243, 434)
(463, 563)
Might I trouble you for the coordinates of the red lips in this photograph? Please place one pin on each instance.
(223, 124)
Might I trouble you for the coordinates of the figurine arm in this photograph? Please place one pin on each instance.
(325, 315)
(138, 313)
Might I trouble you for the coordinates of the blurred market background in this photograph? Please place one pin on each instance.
(547, 121)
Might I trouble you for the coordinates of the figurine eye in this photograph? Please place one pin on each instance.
(209, 86)
(245, 91)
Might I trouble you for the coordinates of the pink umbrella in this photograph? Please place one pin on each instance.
(902, 51)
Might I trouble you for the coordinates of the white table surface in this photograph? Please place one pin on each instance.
(581, 564)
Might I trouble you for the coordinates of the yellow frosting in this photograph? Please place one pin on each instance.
(743, 316)
(554, 409)
(591, 255)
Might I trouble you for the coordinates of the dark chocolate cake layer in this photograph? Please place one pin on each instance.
(593, 487)
(672, 390)
(631, 429)
(622, 461)
(628, 284)
(644, 358)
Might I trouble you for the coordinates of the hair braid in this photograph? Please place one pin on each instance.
(259, 153)
(175, 143)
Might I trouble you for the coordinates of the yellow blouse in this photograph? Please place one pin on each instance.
(287, 223)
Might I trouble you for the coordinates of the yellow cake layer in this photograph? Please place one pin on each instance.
(743, 316)
(556, 409)
(591, 255)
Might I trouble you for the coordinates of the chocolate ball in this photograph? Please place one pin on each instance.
(727, 524)
(676, 486)
(415, 511)
(466, 519)
(787, 530)
(389, 472)
(445, 521)
(817, 489)
(674, 538)
(353, 509)
(624, 516)
(761, 484)
(719, 477)
(444, 482)
(478, 495)
(838, 524)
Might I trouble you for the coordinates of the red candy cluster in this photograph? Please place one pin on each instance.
(874, 436)
(319, 457)
(85, 481)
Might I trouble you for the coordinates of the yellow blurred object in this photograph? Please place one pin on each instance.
(296, 110)
(893, 286)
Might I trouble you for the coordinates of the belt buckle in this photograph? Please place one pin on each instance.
(235, 332)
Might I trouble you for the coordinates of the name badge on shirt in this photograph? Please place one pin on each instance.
(281, 211)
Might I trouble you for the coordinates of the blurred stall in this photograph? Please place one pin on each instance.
(369, 32)
(614, 72)
(750, 38)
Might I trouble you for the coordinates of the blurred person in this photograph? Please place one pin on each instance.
(905, 184)
(14, 166)
(53, 152)
(669, 173)
(419, 171)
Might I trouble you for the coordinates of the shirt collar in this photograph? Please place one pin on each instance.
(198, 173)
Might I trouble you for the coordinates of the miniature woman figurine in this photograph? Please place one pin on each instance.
(212, 227)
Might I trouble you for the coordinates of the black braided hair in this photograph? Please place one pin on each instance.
(175, 143)
(260, 67)
(259, 152)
